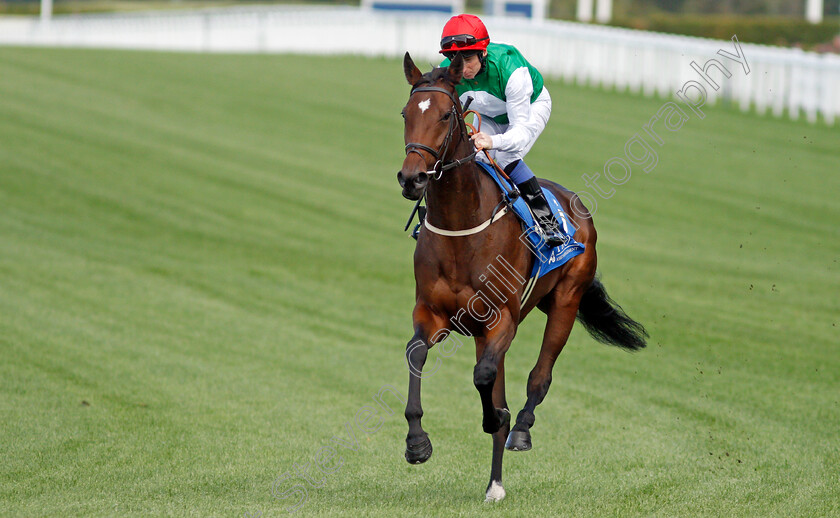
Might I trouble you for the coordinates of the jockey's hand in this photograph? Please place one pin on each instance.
(482, 140)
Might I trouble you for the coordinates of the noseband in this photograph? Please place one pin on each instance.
(439, 154)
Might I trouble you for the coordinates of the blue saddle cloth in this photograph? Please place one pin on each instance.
(547, 259)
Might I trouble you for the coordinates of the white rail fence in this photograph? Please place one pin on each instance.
(781, 81)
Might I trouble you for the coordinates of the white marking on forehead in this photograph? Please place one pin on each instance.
(424, 105)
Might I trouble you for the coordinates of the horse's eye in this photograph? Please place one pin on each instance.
(447, 116)
(402, 113)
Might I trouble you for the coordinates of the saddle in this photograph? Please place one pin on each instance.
(546, 258)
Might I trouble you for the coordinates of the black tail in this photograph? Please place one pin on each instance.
(607, 322)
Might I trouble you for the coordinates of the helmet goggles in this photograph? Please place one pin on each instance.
(453, 43)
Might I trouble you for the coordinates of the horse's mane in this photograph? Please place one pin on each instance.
(435, 75)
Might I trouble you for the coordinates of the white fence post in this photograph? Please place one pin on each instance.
(584, 10)
(814, 11)
(603, 11)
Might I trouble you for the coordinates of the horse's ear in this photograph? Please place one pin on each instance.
(456, 68)
(412, 73)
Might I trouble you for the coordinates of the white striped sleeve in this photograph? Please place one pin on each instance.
(518, 93)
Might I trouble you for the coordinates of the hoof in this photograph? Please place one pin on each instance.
(518, 440)
(418, 452)
(495, 492)
(493, 426)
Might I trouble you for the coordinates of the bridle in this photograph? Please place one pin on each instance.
(440, 167)
(414, 147)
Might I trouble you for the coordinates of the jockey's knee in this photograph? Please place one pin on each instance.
(519, 172)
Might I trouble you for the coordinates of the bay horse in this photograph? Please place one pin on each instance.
(465, 240)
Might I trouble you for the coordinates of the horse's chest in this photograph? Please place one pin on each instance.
(470, 310)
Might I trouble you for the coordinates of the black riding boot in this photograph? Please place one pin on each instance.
(533, 195)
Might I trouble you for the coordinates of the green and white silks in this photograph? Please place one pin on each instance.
(513, 103)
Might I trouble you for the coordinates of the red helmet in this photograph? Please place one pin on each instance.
(463, 32)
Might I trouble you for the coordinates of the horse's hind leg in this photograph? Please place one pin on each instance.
(562, 311)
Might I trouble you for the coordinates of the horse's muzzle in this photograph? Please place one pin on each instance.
(413, 186)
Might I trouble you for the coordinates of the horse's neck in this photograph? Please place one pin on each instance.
(462, 198)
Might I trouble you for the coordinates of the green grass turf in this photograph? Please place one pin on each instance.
(203, 276)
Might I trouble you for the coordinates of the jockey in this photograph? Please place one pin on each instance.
(514, 105)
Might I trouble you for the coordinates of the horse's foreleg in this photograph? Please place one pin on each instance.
(495, 491)
(418, 447)
(498, 411)
(490, 352)
(561, 317)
